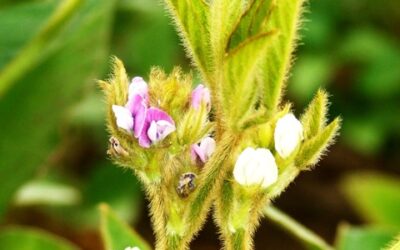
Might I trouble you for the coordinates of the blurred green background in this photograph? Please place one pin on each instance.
(53, 168)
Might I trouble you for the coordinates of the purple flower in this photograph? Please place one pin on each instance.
(199, 95)
(157, 125)
(132, 116)
(202, 151)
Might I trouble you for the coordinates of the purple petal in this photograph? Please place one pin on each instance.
(138, 87)
(199, 95)
(158, 125)
(155, 114)
(204, 150)
(137, 105)
(199, 154)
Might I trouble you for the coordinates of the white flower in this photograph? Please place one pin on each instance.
(256, 166)
(288, 134)
(123, 117)
(132, 248)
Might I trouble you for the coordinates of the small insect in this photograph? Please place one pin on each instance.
(116, 148)
(186, 184)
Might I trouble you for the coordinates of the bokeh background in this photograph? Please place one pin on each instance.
(53, 168)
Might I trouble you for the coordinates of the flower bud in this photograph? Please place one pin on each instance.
(288, 134)
(200, 95)
(256, 167)
(202, 151)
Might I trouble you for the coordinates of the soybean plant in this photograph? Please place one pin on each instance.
(230, 143)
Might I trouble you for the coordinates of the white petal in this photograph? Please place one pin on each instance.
(123, 117)
(268, 165)
(152, 131)
(158, 130)
(207, 145)
(132, 248)
(288, 134)
(241, 167)
(256, 167)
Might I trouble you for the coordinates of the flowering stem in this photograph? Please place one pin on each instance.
(302, 233)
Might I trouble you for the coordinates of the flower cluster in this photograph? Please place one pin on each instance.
(149, 124)
(258, 166)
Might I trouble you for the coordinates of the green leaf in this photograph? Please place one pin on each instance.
(310, 73)
(240, 74)
(116, 234)
(253, 20)
(223, 19)
(46, 192)
(285, 17)
(365, 238)
(314, 118)
(31, 15)
(376, 197)
(18, 238)
(32, 110)
(311, 150)
(31, 54)
(192, 19)
(137, 30)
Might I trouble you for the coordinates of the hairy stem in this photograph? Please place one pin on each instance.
(294, 228)
(239, 240)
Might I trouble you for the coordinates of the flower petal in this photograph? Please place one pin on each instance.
(288, 134)
(138, 87)
(204, 150)
(256, 167)
(138, 107)
(199, 95)
(158, 125)
(123, 117)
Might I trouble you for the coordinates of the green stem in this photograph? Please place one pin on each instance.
(293, 227)
(239, 240)
(33, 51)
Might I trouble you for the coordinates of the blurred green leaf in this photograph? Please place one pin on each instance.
(31, 16)
(143, 37)
(33, 109)
(18, 238)
(39, 46)
(120, 189)
(310, 73)
(365, 238)
(116, 234)
(46, 192)
(365, 134)
(105, 183)
(376, 197)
